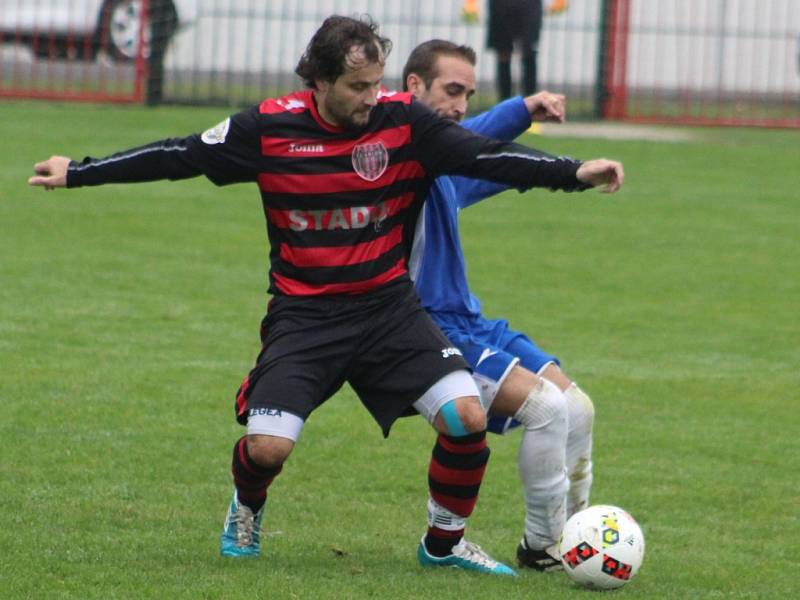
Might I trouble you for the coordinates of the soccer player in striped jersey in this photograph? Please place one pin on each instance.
(520, 383)
(343, 171)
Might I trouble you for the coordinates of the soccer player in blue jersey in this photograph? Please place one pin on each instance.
(522, 385)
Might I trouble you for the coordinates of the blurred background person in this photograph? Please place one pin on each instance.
(517, 23)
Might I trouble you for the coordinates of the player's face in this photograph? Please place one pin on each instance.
(347, 102)
(450, 90)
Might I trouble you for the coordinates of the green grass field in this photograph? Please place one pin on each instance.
(129, 314)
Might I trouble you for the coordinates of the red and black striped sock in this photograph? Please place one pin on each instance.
(454, 478)
(250, 479)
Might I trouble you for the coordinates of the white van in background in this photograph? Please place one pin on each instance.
(85, 28)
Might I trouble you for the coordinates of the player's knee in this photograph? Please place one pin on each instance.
(581, 408)
(545, 406)
(462, 416)
(269, 451)
(472, 414)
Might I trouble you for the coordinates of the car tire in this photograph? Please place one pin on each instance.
(119, 24)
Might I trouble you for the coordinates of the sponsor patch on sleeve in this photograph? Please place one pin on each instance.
(217, 134)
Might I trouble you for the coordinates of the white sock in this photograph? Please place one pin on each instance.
(579, 448)
(439, 516)
(542, 463)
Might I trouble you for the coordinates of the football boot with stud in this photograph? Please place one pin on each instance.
(241, 535)
(467, 556)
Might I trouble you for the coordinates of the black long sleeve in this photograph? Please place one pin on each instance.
(233, 161)
(165, 159)
(447, 148)
(231, 152)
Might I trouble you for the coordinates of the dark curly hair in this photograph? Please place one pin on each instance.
(325, 56)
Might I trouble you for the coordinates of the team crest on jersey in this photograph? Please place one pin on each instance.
(370, 160)
(217, 134)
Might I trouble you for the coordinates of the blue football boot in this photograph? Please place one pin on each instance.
(467, 556)
(242, 531)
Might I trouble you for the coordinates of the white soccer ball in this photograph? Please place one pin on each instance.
(601, 547)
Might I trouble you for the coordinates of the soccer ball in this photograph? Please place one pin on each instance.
(601, 547)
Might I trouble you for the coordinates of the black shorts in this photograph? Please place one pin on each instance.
(514, 21)
(383, 343)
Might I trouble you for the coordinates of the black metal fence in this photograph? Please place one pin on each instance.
(238, 51)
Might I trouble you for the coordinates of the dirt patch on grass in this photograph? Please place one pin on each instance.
(617, 131)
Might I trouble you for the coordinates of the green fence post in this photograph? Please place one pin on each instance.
(600, 88)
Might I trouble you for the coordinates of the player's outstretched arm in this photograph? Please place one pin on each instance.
(229, 152)
(51, 173)
(546, 106)
(602, 172)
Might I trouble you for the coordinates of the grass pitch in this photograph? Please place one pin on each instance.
(129, 314)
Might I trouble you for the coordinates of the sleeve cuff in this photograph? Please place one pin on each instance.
(521, 111)
(73, 175)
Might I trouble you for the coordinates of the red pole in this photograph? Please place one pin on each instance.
(140, 65)
(617, 59)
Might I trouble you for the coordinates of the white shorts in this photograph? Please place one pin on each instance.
(453, 385)
(279, 423)
(275, 422)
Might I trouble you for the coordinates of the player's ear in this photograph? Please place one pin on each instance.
(321, 85)
(415, 84)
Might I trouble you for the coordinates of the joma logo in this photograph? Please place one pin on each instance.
(447, 352)
(306, 148)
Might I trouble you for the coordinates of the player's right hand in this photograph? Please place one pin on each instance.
(545, 106)
(602, 172)
(51, 173)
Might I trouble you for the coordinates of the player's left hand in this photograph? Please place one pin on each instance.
(545, 106)
(51, 173)
(602, 172)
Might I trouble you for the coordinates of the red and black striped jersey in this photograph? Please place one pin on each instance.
(341, 205)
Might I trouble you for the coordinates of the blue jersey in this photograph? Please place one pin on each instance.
(437, 260)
